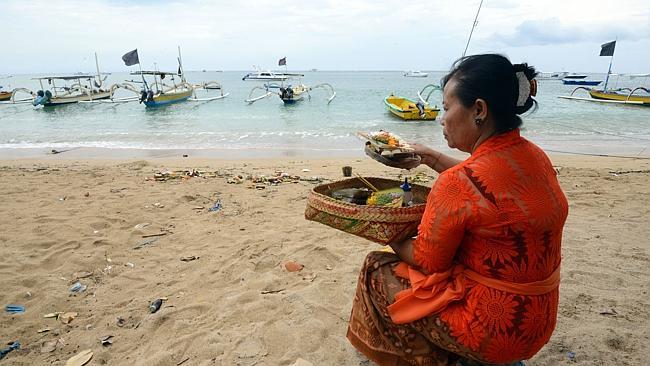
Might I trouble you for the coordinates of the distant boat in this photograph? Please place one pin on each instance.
(268, 76)
(416, 74)
(575, 76)
(552, 75)
(5, 95)
(570, 81)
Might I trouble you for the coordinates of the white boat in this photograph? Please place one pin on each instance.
(260, 75)
(416, 74)
(552, 75)
(575, 76)
(77, 88)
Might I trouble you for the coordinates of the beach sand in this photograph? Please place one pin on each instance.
(65, 220)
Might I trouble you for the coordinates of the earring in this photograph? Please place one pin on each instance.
(478, 121)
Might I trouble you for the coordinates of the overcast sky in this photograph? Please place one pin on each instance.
(45, 36)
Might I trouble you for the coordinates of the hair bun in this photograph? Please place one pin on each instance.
(527, 87)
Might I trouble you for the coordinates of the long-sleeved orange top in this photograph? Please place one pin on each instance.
(489, 243)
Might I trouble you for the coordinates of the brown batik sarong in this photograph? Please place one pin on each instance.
(372, 331)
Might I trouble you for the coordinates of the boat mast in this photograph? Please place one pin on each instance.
(609, 71)
(99, 76)
(180, 64)
(473, 26)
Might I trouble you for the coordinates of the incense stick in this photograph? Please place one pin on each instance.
(365, 181)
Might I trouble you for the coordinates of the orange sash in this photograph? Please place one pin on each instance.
(431, 294)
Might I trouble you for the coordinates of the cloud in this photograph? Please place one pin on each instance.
(552, 31)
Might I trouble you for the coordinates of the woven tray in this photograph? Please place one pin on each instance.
(382, 225)
(400, 160)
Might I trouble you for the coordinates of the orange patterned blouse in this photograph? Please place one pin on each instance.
(499, 214)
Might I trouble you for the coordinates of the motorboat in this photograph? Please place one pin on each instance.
(575, 76)
(408, 109)
(165, 89)
(260, 75)
(552, 75)
(569, 81)
(623, 95)
(76, 88)
(416, 74)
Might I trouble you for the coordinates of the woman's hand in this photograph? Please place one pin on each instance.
(426, 153)
(434, 159)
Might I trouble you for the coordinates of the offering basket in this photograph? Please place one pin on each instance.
(382, 225)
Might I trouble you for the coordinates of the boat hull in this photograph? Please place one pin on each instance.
(168, 98)
(600, 94)
(407, 109)
(5, 96)
(581, 82)
(56, 101)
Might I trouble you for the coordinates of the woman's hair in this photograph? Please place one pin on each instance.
(493, 78)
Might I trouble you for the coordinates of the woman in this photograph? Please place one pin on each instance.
(479, 284)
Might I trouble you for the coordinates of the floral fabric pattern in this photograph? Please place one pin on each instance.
(499, 213)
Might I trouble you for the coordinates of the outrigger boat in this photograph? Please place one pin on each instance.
(83, 87)
(4, 95)
(9, 97)
(159, 93)
(290, 93)
(410, 110)
(636, 96)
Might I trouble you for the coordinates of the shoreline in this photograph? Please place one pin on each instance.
(97, 153)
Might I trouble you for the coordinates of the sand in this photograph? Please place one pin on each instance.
(64, 220)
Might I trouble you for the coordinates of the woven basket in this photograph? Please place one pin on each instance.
(382, 225)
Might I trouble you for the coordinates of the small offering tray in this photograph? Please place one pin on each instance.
(380, 224)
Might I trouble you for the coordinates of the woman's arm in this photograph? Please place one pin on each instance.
(443, 225)
(434, 159)
(404, 251)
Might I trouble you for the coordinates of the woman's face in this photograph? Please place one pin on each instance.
(458, 122)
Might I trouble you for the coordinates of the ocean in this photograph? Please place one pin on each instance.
(311, 126)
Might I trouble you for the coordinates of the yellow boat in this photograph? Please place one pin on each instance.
(622, 96)
(407, 109)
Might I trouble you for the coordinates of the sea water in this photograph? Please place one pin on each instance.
(310, 126)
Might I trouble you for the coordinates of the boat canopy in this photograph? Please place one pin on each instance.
(158, 73)
(68, 77)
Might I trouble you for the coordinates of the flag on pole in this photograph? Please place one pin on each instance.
(282, 61)
(607, 49)
(131, 58)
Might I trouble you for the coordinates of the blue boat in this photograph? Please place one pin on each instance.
(580, 82)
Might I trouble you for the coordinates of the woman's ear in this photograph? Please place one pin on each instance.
(480, 107)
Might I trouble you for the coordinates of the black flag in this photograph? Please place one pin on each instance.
(131, 58)
(608, 49)
(282, 61)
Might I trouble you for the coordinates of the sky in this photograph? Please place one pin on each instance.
(61, 36)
